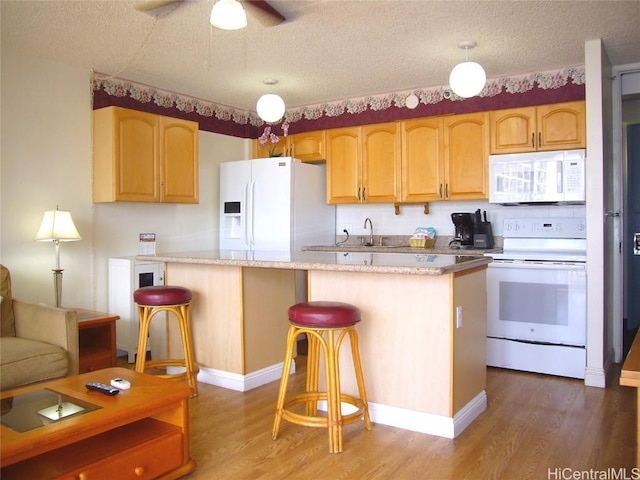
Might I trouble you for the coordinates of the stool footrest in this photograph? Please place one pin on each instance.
(169, 362)
(318, 421)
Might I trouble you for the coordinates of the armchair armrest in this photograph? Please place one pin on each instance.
(57, 326)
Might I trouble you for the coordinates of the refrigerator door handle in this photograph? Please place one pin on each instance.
(243, 215)
(250, 212)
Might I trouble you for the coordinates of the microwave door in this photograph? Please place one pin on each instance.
(548, 177)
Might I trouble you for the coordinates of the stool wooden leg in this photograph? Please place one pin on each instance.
(313, 360)
(284, 380)
(144, 314)
(183, 321)
(334, 413)
(355, 353)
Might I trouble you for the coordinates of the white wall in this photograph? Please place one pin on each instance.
(385, 222)
(46, 161)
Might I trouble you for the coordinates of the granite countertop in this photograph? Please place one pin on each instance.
(420, 262)
(436, 250)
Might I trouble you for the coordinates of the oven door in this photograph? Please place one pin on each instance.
(537, 302)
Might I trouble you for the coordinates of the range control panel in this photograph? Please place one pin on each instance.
(544, 228)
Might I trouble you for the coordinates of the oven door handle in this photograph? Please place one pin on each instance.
(538, 265)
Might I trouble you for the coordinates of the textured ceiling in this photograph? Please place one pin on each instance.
(326, 50)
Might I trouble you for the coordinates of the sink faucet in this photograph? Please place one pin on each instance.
(370, 242)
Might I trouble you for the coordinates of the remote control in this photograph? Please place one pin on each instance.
(102, 388)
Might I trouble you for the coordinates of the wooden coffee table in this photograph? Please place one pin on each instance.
(142, 432)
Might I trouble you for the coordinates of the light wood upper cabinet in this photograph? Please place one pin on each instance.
(422, 157)
(141, 157)
(557, 126)
(445, 158)
(308, 146)
(381, 181)
(344, 165)
(280, 149)
(178, 160)
(466, 152)
(363, 164)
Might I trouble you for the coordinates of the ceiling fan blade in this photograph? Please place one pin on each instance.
(263, 12)
(157, 7)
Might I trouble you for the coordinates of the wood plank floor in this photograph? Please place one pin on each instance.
(534, 426)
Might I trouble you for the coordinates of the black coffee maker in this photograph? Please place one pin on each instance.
(463, 236)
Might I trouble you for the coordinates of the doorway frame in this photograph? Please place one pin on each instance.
(620, 189)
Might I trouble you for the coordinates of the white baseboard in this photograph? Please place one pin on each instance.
(237, 382)
(415, 421)
(448, 427)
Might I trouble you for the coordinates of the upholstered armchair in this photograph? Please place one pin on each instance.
(38, 342)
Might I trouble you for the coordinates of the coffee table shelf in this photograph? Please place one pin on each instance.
(142, 432)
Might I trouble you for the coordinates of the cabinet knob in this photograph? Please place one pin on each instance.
(82, 476)
(139, 471)
(539, 139)
(533, 140)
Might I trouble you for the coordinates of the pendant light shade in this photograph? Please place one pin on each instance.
(467, 79)
(228, 15)
(270, 107)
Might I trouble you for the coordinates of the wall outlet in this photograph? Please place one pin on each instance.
(458, 316)
(347, 227)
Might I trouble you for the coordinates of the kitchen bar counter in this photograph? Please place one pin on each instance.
(417, 263)
(422, 334)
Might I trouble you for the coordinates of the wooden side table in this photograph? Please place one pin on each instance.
(630, 377)
(96, 340)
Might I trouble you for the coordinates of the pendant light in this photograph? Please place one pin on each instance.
(270, 107)
(467, 79)
(228, 15)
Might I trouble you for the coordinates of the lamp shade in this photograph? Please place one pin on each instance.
(228, 15)
(467, 79)
(57, 225)
(270, 107)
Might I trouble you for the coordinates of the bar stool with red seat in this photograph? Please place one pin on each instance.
(176, 300)
(326, 324)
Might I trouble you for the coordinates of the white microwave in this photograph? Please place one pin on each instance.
(537, 177)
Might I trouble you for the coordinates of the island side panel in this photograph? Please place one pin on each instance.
(469, 341)
(267, 295)
(216, 314)
(405, 336)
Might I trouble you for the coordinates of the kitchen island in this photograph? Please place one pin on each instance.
(422, 334)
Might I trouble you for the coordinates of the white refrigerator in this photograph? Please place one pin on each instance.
(274, 204)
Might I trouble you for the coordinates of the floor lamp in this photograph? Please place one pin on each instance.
(57, 226)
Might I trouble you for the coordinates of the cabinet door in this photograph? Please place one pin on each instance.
(125, 146)
(422, 154)
(178, 161)
(381, 163)
(344, 156)
(561, 126)
(308, 146)
(280, 149)
(466, 151)
(513, 130)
